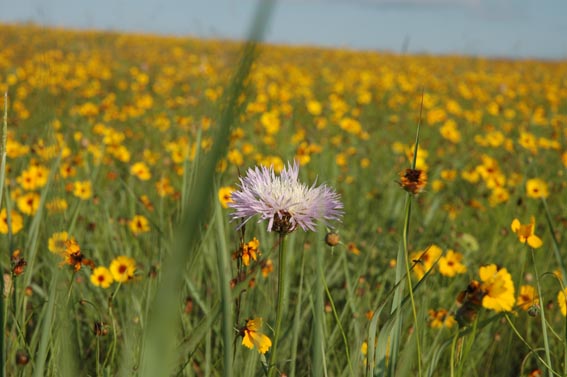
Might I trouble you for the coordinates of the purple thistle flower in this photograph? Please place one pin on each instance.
(283, 200)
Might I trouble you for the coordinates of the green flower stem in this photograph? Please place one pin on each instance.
(534, 351)
(453, 356)
(556, 251)
(279, 308)
(542, 314)
(339, 324)
(410, 287)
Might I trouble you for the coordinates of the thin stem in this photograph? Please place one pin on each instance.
(341, 329)
(542, 314)
(453, 346)
(556, 252)
(279, 307)
(410, 286)
(534, 351)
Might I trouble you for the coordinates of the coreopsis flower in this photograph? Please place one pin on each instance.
(139, 224)
(250, 251)
(252, 337)
(527, 297)
(16, 222)
(123, 268)
(225, 195)
(284, 201)
(247, 250)
(440, 318)
(525, 233)
(425, 259)
(562, 301)
(56, 243)
(28, 203)
(536, 188)
(83, 190)
(141, 171)
(450, 264)
(164, 187)
(494, 292)
(413, 180)
(498, 288)
(73, 256)
(33, 177)
(56, 205)
(101, 277)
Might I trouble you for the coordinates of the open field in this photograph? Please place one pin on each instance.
(116, 186)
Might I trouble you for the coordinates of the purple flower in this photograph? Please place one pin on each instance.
(283, 200)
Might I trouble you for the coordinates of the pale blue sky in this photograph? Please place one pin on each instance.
(513, 28)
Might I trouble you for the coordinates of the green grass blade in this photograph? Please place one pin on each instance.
(226, 295)
(156, 357)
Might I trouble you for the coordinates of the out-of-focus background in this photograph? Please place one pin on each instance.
(496, 28)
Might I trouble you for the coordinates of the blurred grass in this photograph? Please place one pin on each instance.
(157, 353)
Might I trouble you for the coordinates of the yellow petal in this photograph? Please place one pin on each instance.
(263, 343)
(515, 225)
(534, 241)
(247, 340)
(487, 272)
(254, 324)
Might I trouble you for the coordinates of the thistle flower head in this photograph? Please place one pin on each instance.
(284, 201)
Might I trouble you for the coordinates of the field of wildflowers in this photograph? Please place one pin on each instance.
(171, 208)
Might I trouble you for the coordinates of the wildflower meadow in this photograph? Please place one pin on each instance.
(181, 207)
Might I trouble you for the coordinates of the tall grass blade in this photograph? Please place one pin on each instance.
(226, 295)
(2, 177)
(157, 356)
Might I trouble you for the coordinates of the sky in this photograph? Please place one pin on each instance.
(494, 28)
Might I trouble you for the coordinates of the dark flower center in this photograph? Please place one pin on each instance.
(282, 223)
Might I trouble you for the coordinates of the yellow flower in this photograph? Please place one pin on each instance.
(525, 233)
(527, 297)
(314, 107)
(28, 203)
(33, 177)
(267, 268)
(73, 256)
(225, 195)
(82, 190)
(562, 300)
(101, 277)
(16, 222)
(498, 288)
(250, 250)
(141, 170)
(56, 243)
(164, 187)
(425, 259)
(441, 318)
(450, 264)
(536, 188)
(56, 205)
(252, 337)
(139, 224)
(122, 268)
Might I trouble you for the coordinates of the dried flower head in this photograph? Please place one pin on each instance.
(413, 180)
(284, 201)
